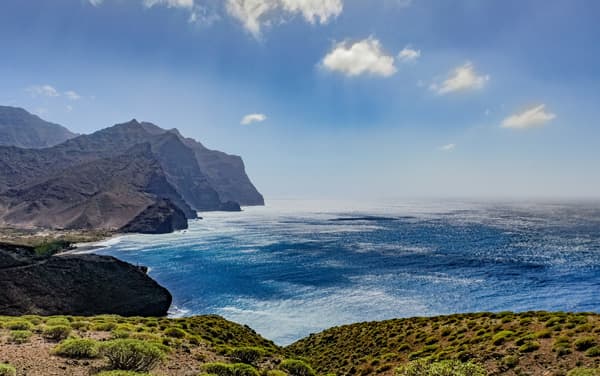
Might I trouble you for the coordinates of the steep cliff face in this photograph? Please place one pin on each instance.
(76, 285)
(22, 129)
(104, 194)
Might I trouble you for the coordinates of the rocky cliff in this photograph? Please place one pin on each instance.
(76, 285)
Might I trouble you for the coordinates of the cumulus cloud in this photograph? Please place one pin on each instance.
(253, 14)
(362, 57)
(536, 116)
(72, 95)
(463, 78)
(253, 118)
(189, 4)
(409, 54)
(448, 147)
(43, 90)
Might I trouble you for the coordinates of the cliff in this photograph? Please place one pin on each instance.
(76, 284)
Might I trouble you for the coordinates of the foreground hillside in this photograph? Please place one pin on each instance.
(533, 343)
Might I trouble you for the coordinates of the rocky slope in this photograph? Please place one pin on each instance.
(109, 193)
(75, 284)
(22, 129)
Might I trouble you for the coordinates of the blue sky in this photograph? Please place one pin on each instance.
(331, 98)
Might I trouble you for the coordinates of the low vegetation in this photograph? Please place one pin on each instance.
(532, 343)
(7, 370)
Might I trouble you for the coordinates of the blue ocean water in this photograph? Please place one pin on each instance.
(297, 267)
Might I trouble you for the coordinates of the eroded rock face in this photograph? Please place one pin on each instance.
(160, 218)
(76, 285)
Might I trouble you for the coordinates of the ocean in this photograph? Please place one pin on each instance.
(296, 267)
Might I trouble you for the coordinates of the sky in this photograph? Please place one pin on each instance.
(359, 99)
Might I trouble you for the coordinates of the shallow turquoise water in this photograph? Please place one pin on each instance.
(297, 267)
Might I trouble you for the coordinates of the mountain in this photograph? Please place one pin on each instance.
(108, 193)
(132, 176)
(225, 172)
(21, 129)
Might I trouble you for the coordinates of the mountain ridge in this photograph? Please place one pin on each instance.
(25, 130)
(89, 181)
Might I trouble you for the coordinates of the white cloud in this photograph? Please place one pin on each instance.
(42, 90)
(253, 118)
(189, 4)
(461, 79)
(72, 95)
(448, 147)
(255, 13)
(409, 54)
(96, 2)
(530, 118)
(312, 10)
(363, 57)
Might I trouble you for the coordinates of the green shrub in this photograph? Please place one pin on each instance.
(19, 325)
(241, 369)
(562, 349)
(54, 321)
(77, 348)
(219, 369)
(19, 336)
(56, 333)
(103, 326)
(175, 332)
(585, 343)
(424, 367)
(132, 354)
(584, 372)
(50, 248)
(500, 337)
(593, 351)
(248, 355)
(7, 370)
(543, 334)
(297, 368)
(529, 347)
(80, 325)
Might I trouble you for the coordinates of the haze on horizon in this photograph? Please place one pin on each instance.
(331, 98)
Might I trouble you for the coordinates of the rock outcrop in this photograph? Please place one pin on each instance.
(76, 285)
(22, 129)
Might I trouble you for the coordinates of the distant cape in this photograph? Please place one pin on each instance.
(133, 176)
